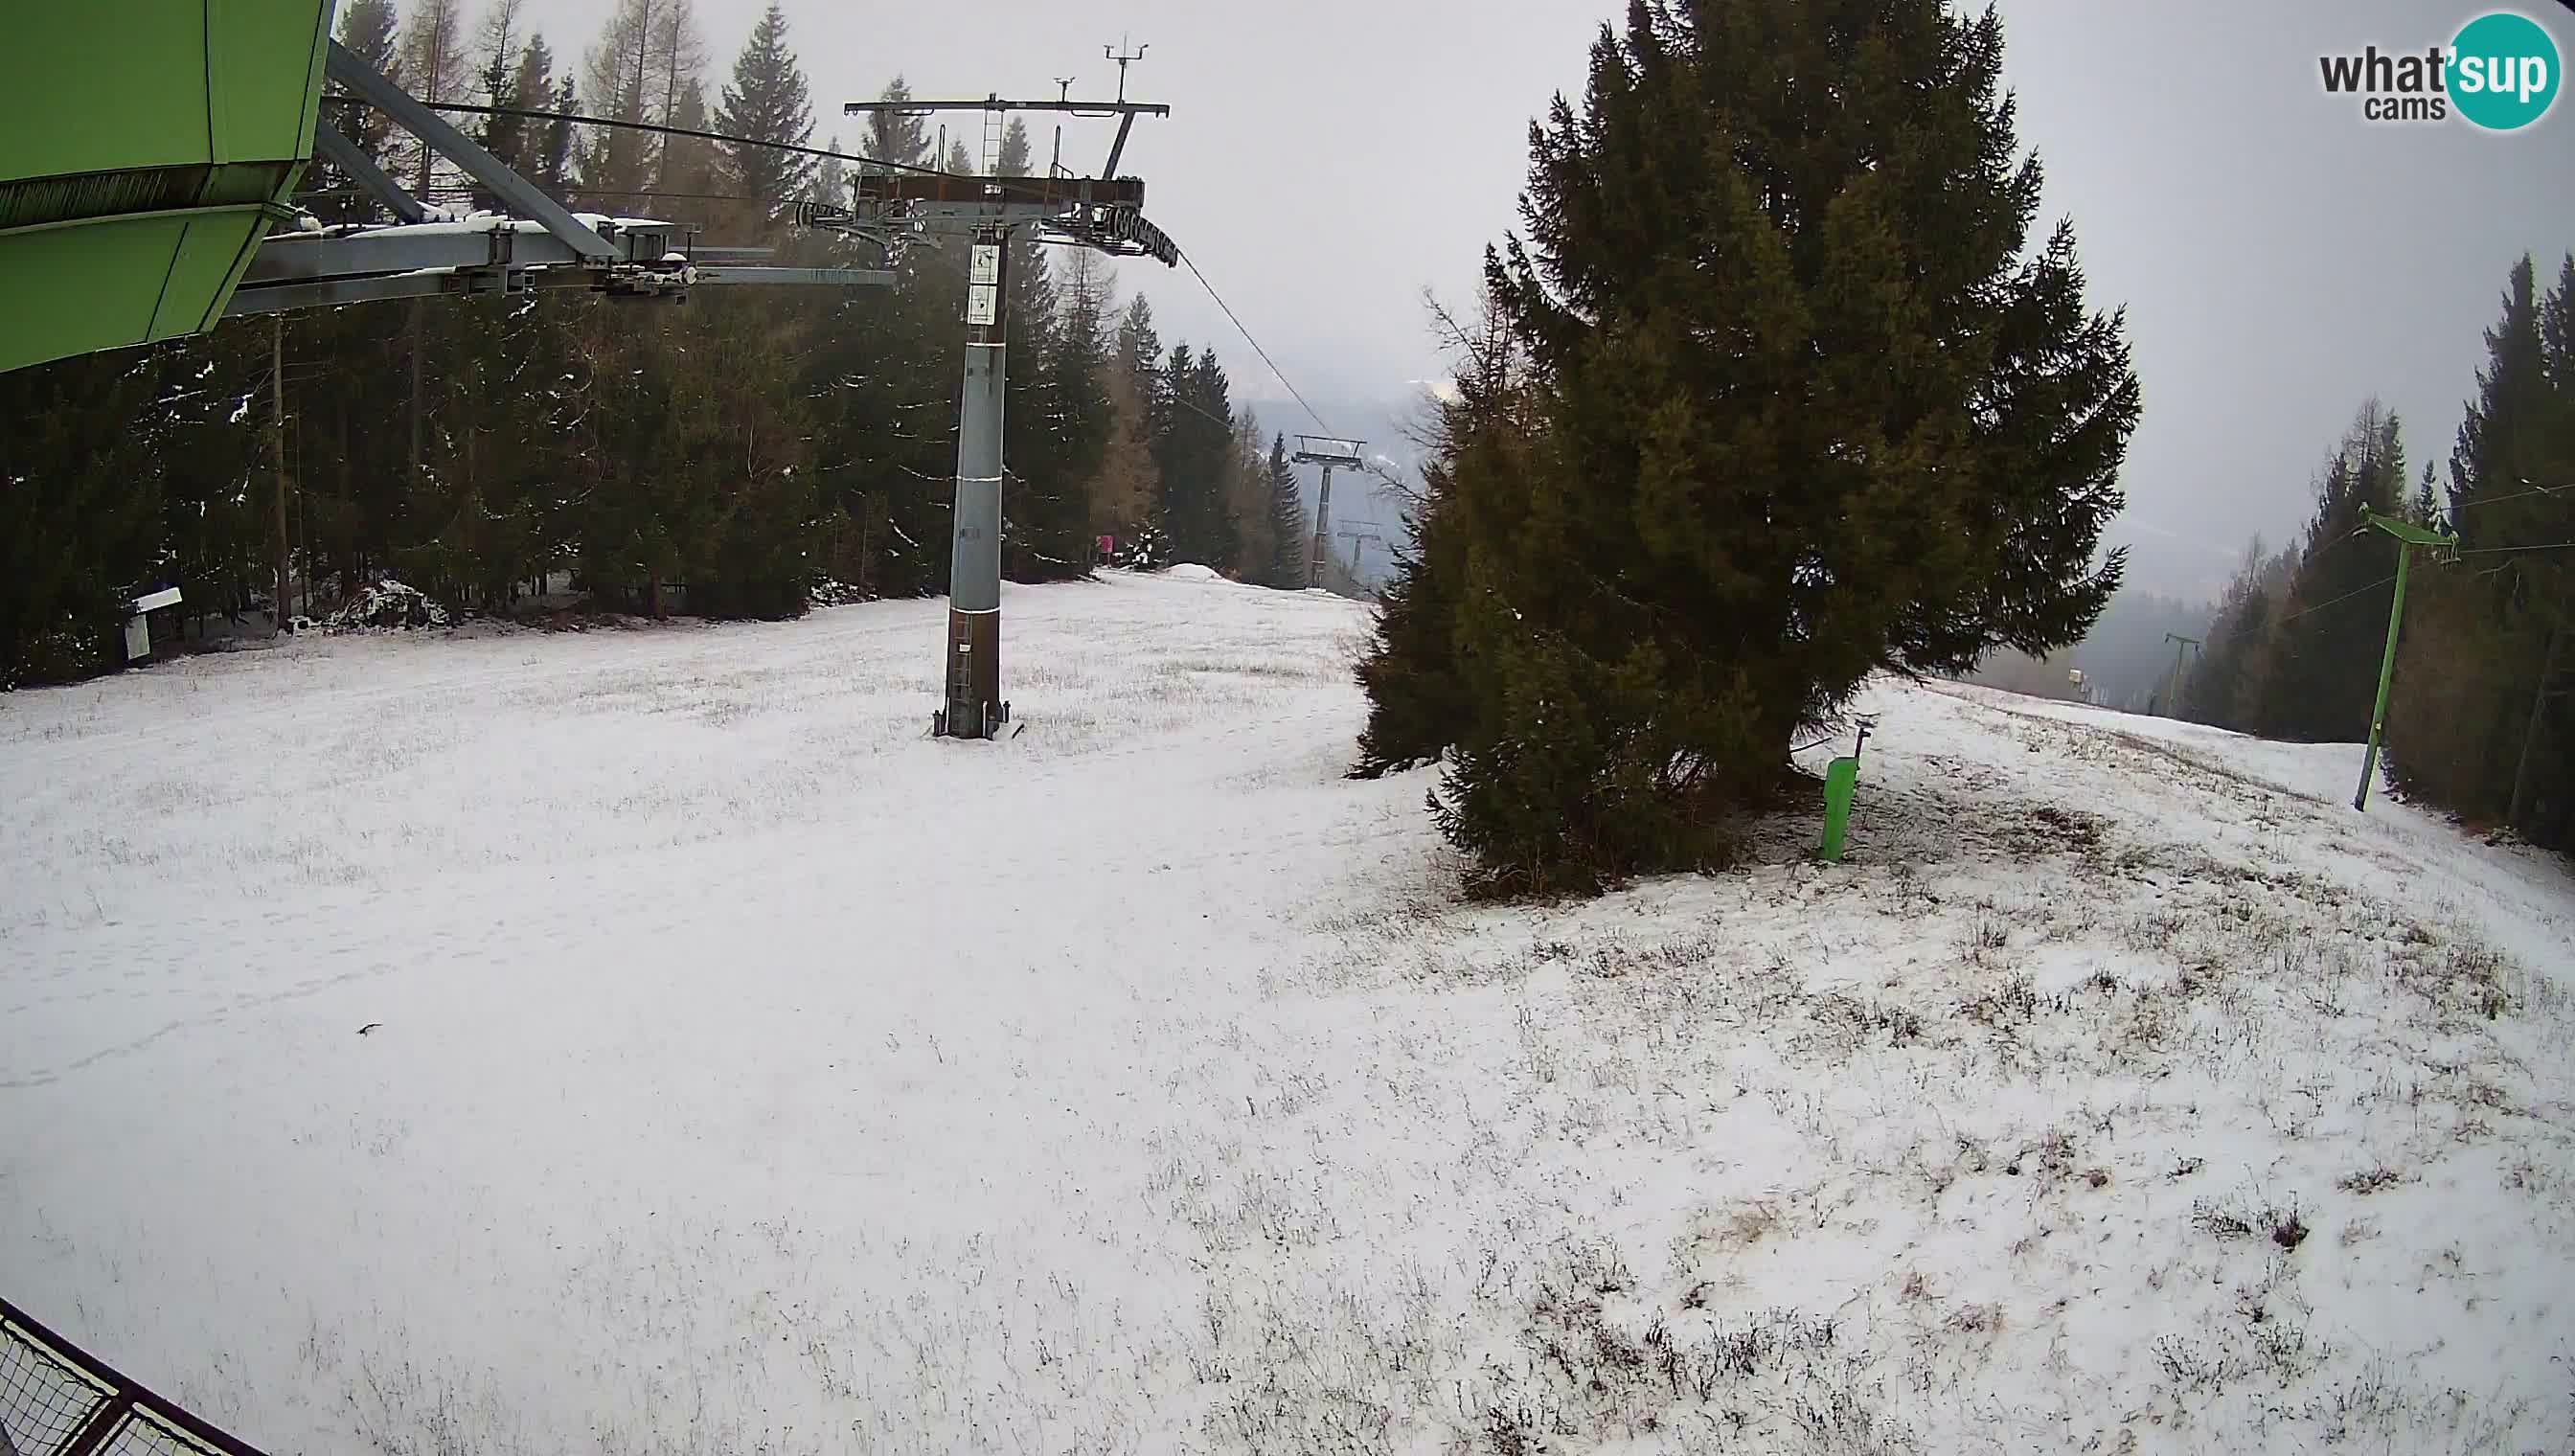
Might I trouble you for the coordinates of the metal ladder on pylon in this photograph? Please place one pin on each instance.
(997, 125)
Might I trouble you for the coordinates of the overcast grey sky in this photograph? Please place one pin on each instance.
(2280, 258)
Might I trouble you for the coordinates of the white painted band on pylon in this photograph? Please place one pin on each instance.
(977, 480)
(974, 610)
(972, 344)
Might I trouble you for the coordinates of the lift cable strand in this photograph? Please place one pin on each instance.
(531, 114)
(1254, 343)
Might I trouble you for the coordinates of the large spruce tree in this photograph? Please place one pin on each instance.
(1809, 405)
(1195, 455)
(2481, 719)
(766, 104)
(505, 58)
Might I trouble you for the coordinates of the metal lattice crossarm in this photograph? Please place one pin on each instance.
(2408, 532)
(1328, 450)
(1119, 230)
(489, 255)
(540, 245)
(1106, 213)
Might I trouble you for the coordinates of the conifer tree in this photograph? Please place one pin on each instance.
(1195, 455)
(2335, 626)
(2426, 508)
(892, 134)
(368, 28)
(1809, 405)
(691, 166)
(829, 184)
(2505, 422)
(505, 58)
(1417, 692)
(1140, 348)
(532, 83)
(434, 69)
(81, 520)
(1127, 485)
(1070, 391)
(679, 61)
(766, 102)
(1247, 501)
(615, 162)
(1014, 158)
(2216, 690)
(553, 161)
(2479, 720)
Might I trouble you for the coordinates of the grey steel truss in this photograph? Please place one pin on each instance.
(540, 245)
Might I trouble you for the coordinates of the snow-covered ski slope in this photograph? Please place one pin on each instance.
(750, 1072)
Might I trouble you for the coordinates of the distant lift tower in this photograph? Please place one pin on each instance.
(1359, 540)
(1103, 213)
(2182, 648)
(1332, 453)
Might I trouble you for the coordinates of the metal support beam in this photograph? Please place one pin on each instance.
(973, 672)
(1321, 556)
(1117, 148)
(279, 298)
(295, 258)
(285, 296)
(344, 154)
(1029, 197)
(2409, 535)
(995, 103)
(2387, 674)
(823, 276)
(514, 191)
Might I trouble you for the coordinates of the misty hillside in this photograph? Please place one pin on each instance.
(1366, 506)
(2128, 660)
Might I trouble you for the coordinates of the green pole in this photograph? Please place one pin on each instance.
(1840, 776)
(2386, 674)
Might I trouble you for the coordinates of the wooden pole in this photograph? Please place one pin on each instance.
(277, 444)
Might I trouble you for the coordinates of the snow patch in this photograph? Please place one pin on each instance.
(2122, 1091)
(386, 604)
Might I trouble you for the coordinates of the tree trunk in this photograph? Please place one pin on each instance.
(277, 440)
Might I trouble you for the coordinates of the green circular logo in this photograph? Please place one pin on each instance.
(2503, 71)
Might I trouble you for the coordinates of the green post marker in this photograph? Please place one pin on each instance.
(1840, 776)
(2387, 674)
(2409, 535)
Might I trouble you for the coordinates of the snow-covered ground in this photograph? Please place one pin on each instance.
(748, 1072)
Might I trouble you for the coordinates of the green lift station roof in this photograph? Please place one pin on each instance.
(146, 147)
